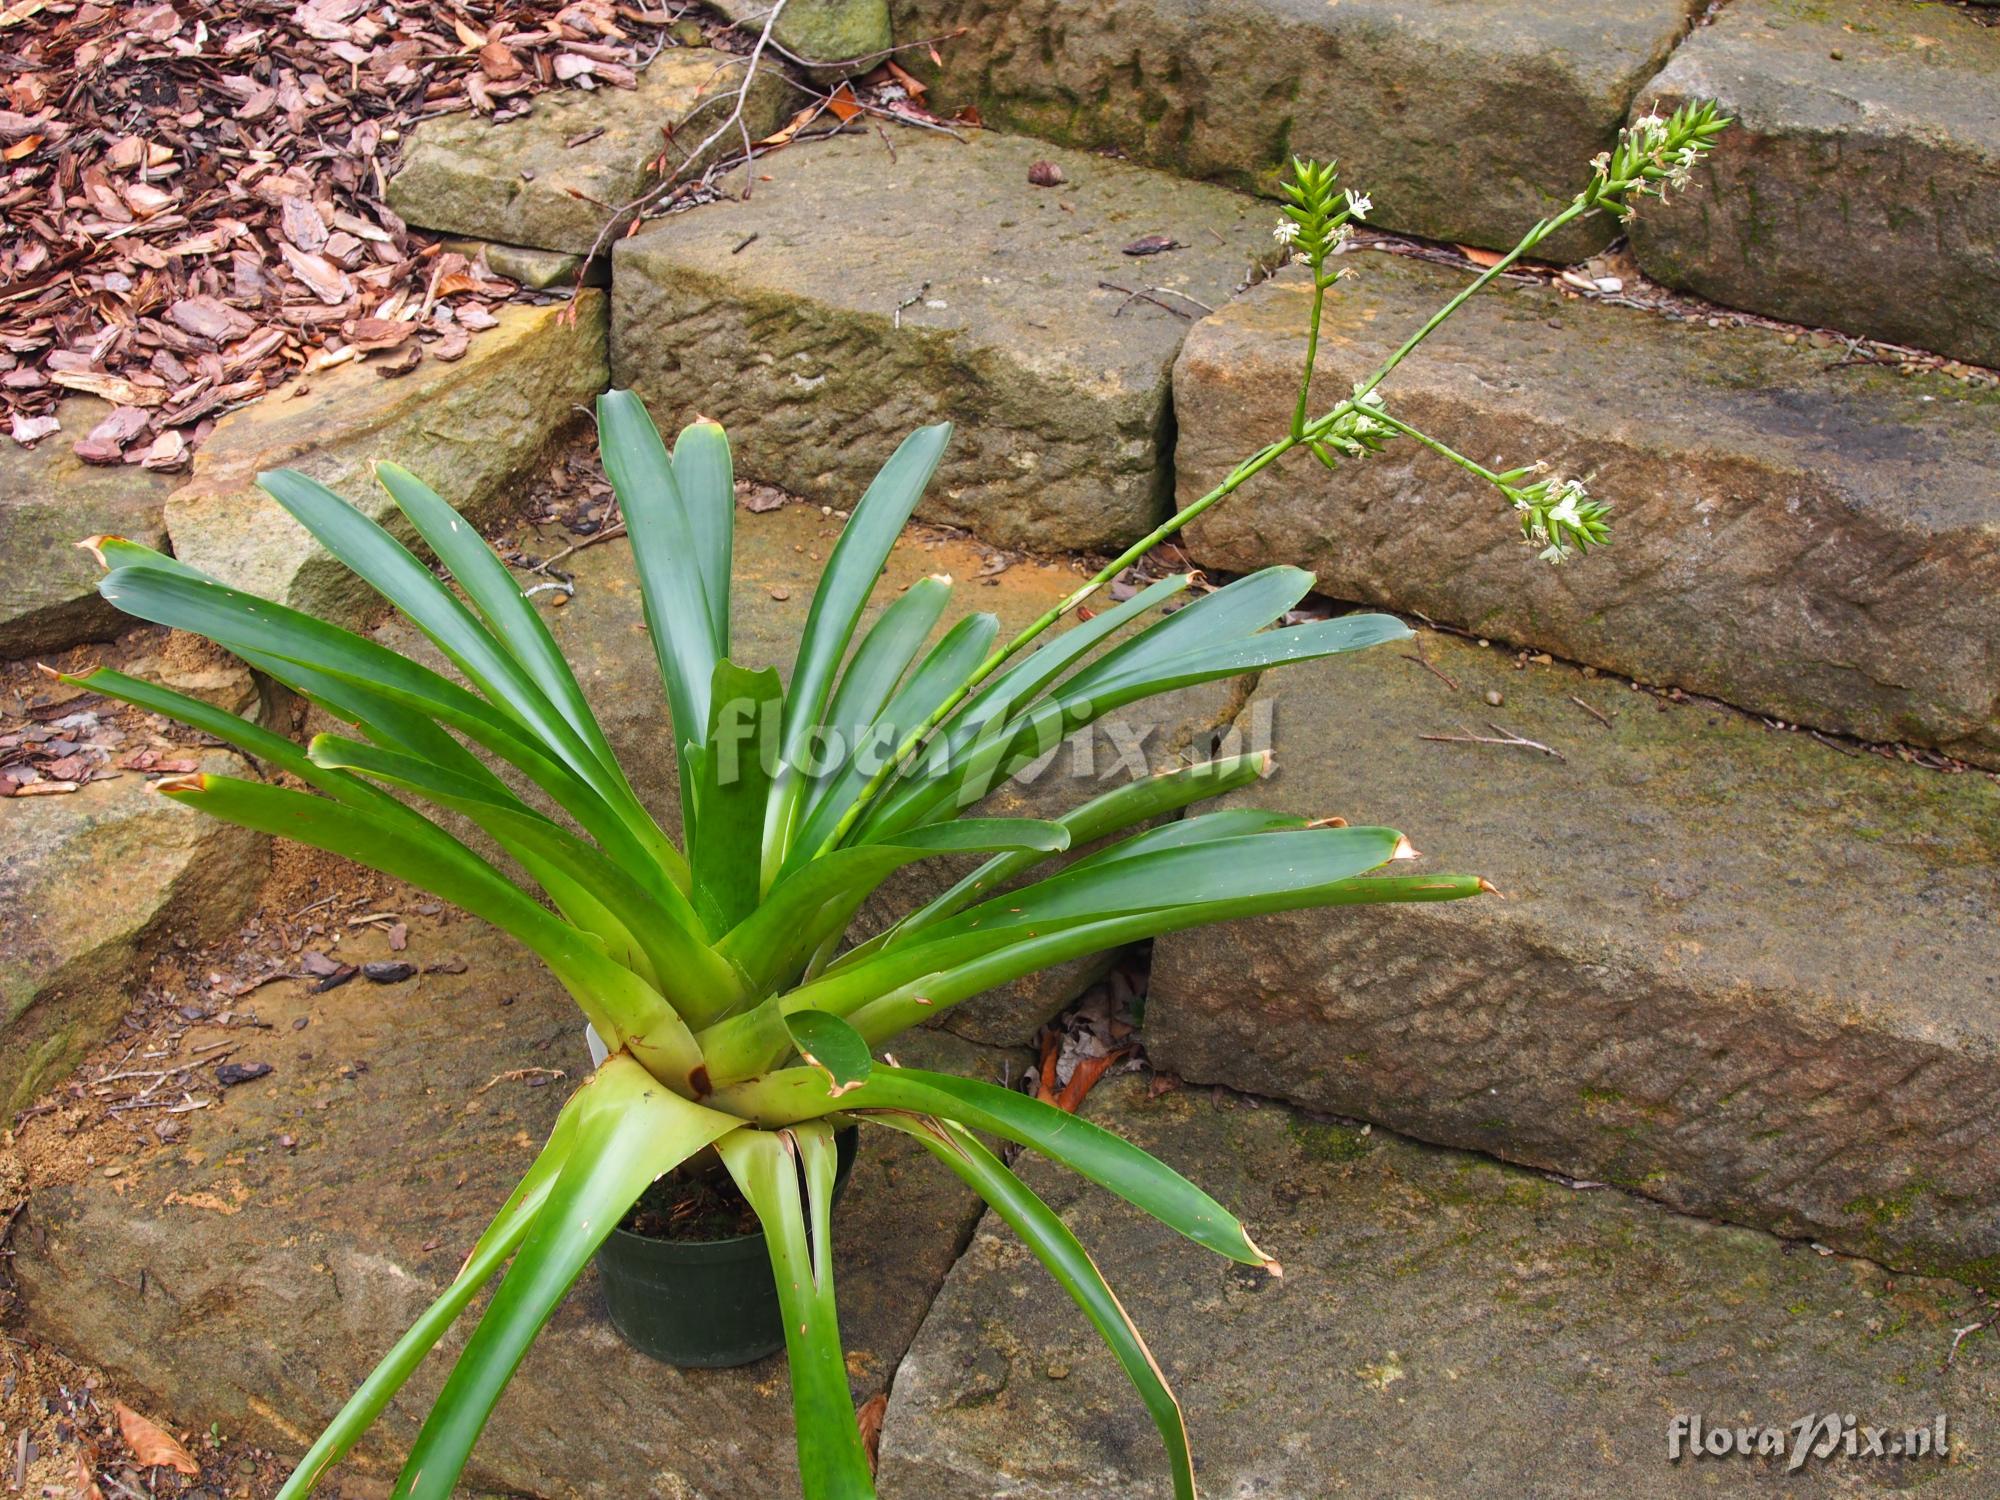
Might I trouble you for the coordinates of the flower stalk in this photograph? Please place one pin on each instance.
(1652, 155)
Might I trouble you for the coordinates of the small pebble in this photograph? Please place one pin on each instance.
(1494, 698)
(1058, 1370)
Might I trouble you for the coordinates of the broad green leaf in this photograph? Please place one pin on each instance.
(943, 668)
(833, 1465)
(1057, 1249)
(843, 592)
(1027, 677)
(705, 474)
(878, 664)
(502, 1237)
(1120, 808)
(1110, 1161)
(664, 552)
(493, 591)
(954, 979)
(1240, 609)
(725, 837)
(394, 572)
(656, 917)
(630, 1128)
(1003, 748)
(246, 624)
(829, 1045)
(804, 908)
(619, 1004)
(1207, 828)
(253, 740)
(1142, 896)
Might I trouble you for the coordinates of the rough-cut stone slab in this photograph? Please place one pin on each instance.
(876, 294)
(1446, 1327)
(1812, 543)
(1735, 969)
(524, 182)
(49, 500)
(240, 1279)
(780, 554)
(536, 269)
(1463, 121)
(824, 31)
(90, 884)
(469, 429)
(1860, 186)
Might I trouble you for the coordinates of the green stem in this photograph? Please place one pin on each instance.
(1320, 284)
(1470, 465)
(1243, 472)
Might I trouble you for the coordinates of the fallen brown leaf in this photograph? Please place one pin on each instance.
(151, 1444)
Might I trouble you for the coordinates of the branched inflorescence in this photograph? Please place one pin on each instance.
(1558, 516)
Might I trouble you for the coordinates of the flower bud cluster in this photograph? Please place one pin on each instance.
(1652, 155)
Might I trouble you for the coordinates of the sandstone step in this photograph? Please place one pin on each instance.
(252, 1272)
(859, 294)
(50, 498)
(1812, 542)
(471, 429)
(94, 882)
(1860, 187)
(825, 31)
(1463, 122)
(1446, 1328)
(554, 179)
(1740, 971)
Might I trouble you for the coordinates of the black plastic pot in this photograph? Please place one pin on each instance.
(704, 1304)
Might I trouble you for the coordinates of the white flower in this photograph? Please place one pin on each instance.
(1555, 555)
(1359, 204)
(1286, 232)
(1563, 512)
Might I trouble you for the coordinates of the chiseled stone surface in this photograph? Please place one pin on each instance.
(1860, 185)
(1463, 121)
(236, 1278)
(1446, 1329)
(470, 429)
(858, 295)
(49, 500)
(1743, 972)
(1815, 544)
(539, 182)
(90, 884)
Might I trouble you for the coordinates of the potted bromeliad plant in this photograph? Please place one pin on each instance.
(740, 1034)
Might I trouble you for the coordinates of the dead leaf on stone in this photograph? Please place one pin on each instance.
(842, 104)
(151, 1444)
(1152, 244)
(1485, 259)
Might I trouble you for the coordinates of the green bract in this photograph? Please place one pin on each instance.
(715, 971)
